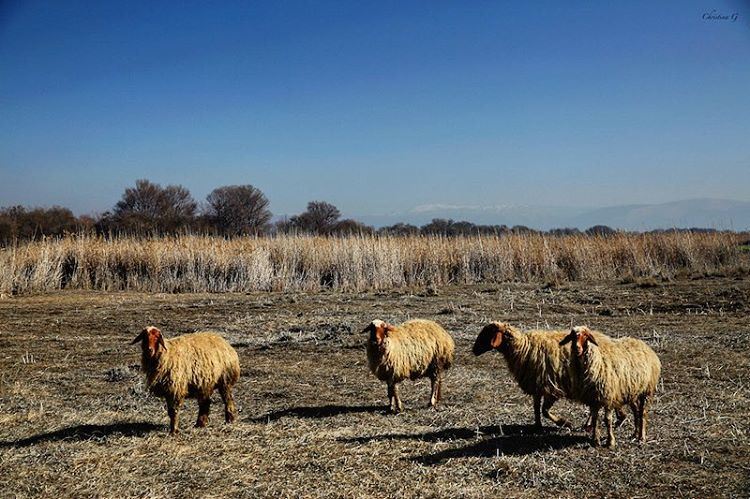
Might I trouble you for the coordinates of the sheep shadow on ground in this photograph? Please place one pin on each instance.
(315, 412)
(85, 432)
(505, 439)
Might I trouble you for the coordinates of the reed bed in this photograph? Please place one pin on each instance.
(187, 264)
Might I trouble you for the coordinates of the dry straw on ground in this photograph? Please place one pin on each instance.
(78, 422)
(298, 263)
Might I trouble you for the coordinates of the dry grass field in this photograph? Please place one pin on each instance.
(197, 264)
(76, 421)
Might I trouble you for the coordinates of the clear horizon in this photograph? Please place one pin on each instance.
(376, 108)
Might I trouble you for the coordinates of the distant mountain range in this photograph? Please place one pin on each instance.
(704, 213)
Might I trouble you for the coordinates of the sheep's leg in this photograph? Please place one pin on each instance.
(393, 399)
(548, 402)
(621, 417)
(396, 406)
(204, 407)
(436, 381)
(595, 426)
(173, 409)
(608, 416)
(636, 418)
(537, 412)
(587, 425)
(643, 419)
(228, 399)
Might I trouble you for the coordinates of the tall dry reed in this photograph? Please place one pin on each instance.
(210, 264)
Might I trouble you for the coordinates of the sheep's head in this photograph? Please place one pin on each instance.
(378, 330)
(494, 336)
(580, 336)
(152, 341)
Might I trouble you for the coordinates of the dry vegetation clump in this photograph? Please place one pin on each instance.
(355, 263)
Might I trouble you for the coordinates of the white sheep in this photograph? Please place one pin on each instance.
(538, 364)
(412, 350)
(189, 366)
(610, 374)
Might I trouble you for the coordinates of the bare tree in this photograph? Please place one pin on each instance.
(399, 229)
(319, 218)
(349, 227)
(238, 209)
(20, 223)
(600, 230)
(151, 208)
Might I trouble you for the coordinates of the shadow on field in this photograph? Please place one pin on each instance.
(86, 432)
(511, 445)
(323, 411)
(505, 439)
(458, 433)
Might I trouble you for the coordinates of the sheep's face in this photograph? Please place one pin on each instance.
(494, 336)
(378, 331)
(580, 337)
(152, 341)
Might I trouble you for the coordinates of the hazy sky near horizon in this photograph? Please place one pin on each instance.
(377, 107)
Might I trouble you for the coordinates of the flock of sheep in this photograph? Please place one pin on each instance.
(595, 370)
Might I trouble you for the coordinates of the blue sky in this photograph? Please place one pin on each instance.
(377, 107)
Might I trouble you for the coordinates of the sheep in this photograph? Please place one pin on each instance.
(415, 349)
(610, 374)
(189, 366)
(537, 363)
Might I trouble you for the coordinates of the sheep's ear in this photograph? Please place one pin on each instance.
(161, 341)
(590, 338)
(139, 337)
(568, 338)
(383, 331)
(380, 333)
(496, 339)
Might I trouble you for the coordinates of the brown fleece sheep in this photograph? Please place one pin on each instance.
(538, 364)
(189, 366)
(610, 374)
(412, 350)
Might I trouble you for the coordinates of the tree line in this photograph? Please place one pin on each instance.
(148, 209)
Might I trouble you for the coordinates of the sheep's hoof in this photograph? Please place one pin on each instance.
(201, 423)
(611, 444)
(588, 428)
(229, 418)
(594, 442)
